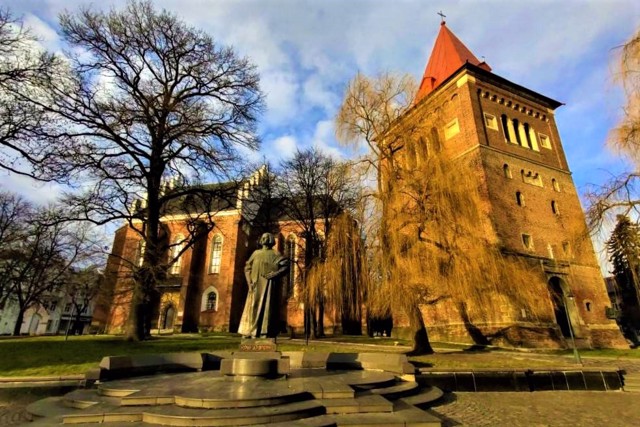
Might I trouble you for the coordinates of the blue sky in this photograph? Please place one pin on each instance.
(307, 51)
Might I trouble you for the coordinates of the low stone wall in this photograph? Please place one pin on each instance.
(523, 380)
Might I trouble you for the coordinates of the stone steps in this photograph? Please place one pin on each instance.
(306, 398)
(176, 416)
(403, 415)
(425, 397)
(396, 391)
(363, 404)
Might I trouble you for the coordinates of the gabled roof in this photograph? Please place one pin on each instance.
(447, 56)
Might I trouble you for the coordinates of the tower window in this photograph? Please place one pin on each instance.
(545, 142)
(519, 198)
(554, 207)
(435, 140)
(506, 124)
(507, 171)
(555, 185)
(452, 129)
(527, 241)
(531, 177)
(587, 305)
(490, 121)
(516, 131)
(566, 248)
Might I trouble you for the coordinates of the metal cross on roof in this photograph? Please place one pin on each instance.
(442, 15)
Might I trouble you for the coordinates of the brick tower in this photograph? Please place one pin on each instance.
(531, 204)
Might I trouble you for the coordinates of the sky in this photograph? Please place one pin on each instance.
(307, 51)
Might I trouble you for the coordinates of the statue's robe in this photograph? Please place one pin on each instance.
(261, 316)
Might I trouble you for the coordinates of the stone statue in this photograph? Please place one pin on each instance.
(260, 316)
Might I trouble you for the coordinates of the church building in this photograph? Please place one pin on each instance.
(205, 289)
(531, 207)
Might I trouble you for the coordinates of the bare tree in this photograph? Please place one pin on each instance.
(14, 212)
(314, 189)
(621, 195)
(82, 288)
(40, 260)
(22, 64)
(150, 109)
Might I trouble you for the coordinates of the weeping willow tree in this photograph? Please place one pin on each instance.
(620, 195)
(338, 277)
(433, 243)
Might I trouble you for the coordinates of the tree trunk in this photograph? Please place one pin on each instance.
(320, 333)
(135, 322)
(421, 344)
(18, 324)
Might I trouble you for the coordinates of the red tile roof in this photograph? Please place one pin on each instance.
(448, 54)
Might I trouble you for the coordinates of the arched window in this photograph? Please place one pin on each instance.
(516, 130)
(519, 198)
(411, 156)
(423, 150)
(435, 140)
(216, 254)
(209, 299)
(176, 256)
(507, 171)
(168, 317)
(555, 185)
(505, 127)
(554, 207)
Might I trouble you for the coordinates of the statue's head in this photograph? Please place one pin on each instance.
(267, 240)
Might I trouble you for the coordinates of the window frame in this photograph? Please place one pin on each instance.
(216, 254)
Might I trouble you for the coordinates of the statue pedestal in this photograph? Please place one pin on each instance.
(256, 358)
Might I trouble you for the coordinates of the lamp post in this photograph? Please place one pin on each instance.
(576, 355)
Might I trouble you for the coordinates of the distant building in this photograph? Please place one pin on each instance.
(54, 316)
(532, 207)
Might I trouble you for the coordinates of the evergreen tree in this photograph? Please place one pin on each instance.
(624, 254)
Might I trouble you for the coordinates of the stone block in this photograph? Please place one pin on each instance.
(347, 361)
(295, 358)
(116, 362)
(315, 360)
(182, 361)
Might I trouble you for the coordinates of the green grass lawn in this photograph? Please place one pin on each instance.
(52, 355)
(45, 356)
(40, 356)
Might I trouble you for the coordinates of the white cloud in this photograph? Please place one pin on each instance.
(281, 91)
(324, 139)
(35, 191)
(43, 31)
(284, 147)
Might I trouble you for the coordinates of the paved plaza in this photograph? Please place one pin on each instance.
(542, 408)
